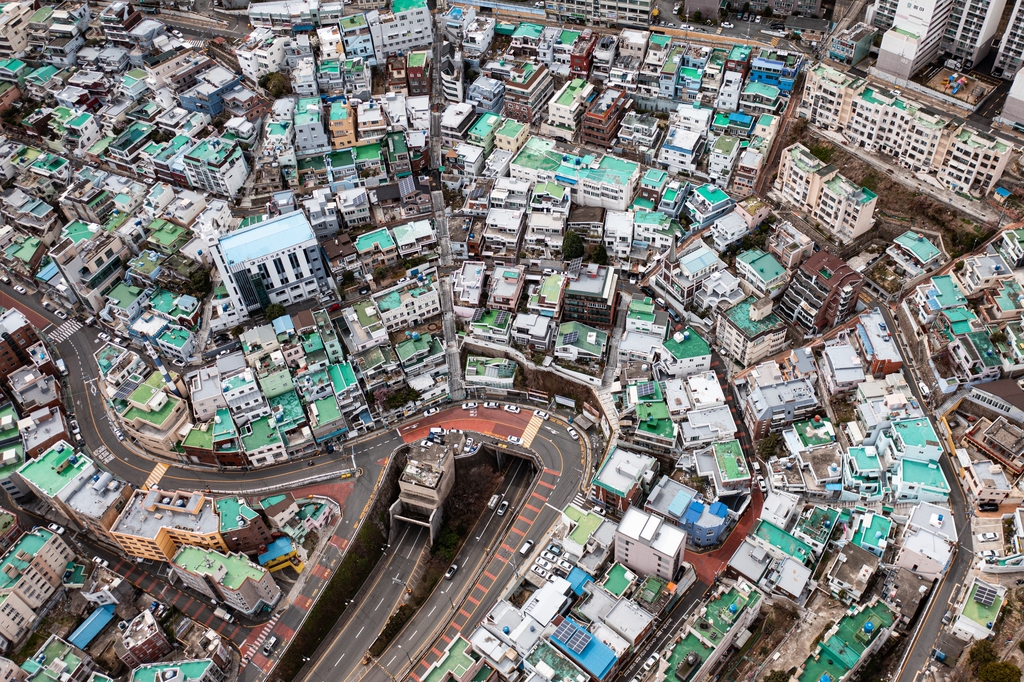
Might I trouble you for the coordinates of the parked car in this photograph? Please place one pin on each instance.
(20, 289)
(546, 565)
(988, 507)
(988, 554)
(555, 549)
(492, 406)
(513, 409)
(572, 433)
(59, 530)
(451, 571)
(100, 562)
(649, 663)
(432, 411)
(363, 291)
(728, 24)
(542, 414)
(469, 406)
(118, 434)
(761, 484)
(548, 556)
(468, 446)
(757, 20)
(540, 571)
(564, 564)
(503, 508)
(425, 443)
(988, 537)
(515, 440)
(103, 336)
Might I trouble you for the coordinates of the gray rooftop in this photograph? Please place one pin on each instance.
(140, 516)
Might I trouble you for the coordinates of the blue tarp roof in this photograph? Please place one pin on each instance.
(679, 503)
(276, 549)
(577, 579)
(719, 509)
(47, 272)
(92, 626)
(597, 658)
(694, 512)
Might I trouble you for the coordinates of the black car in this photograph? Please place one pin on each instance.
(988, 507)
(364, 290)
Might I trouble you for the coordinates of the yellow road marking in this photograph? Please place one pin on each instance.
(158, 472)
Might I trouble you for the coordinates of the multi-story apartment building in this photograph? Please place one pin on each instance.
(915, 36)
(155, 526)
(809, 183)
(591, 297)
(971, 26)
(261, 53)
(750, 331)
(143, 641)
(33, 570)
(487, 95)
(216, 165)
(1011, 47)
(232, 578)
(407, 26)
(91, 261)
(527, 91)
(275, 261)
(647, 544)
(974, 161)
(602, 120)
(566, 109)
(822, 293)
(409, 304)
(852, 44)
(117, 21)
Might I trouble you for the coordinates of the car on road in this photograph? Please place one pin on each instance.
(761, 484)
(61, 314)
(469, 406)
(540, 571)
(546, 565)
(492, 406)
(513, 409)
(20, 289)
(451, 571)
(685, 27)
(177, 33)
(526, 548)
(5, 279)
(649, 663)
(572, 433)
(269, 645)
(431, 412)
(542, 414)
(555, 549)
(100, 562)
(515, 440)
(118, 434)
(503, 508)
(988, 537)
(728, 24)
(988, 507)
(59, 530)
(103, 336)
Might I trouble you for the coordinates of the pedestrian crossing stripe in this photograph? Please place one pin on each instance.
(65, 330)
(531, 430)
(158, 472)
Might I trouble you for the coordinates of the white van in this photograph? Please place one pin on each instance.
(525, 549)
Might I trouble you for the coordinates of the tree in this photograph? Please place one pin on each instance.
(999, 671)
(276, 84)
(379, 272)
(982, 653)
(237, 331)
(572, 246)
(746, 7)
(274, 311)
(348, 278)
(600, 255)
(698, 17)
(766, 446)
(199, 283)
(997, 337)
(768, 11)
(778, 676)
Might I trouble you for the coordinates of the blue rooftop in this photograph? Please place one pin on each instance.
(718, 509)
(597, 658)
(679, 503)
(92, 626)
(284, 325)
(577, 579)
(275, 550)
(269, 236)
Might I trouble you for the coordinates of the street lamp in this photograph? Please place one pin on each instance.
(406, 654)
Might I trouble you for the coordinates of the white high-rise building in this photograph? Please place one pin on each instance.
(1011, 47)
(914, 39)
(972, 26)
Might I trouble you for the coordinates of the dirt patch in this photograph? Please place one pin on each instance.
(798, 642)
(962, 86)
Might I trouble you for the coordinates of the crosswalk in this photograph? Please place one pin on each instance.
(65, 330)
(158, 472)
(531, 430)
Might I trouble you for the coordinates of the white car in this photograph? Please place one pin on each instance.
(75, 428)
(117, 432)
(431, 412)
(515, 440)
(59, 530)
(546, 565)
(542, 414)
(20, 289)
(548, 556)
(512, 409)
(988, 537)
(757, 20)
(61, 314)
(572, 433)
(468, 446)
(177, 33)
(540, 571)
(565, 564)
(762, 485)
(100, 562)
(728, 24)
(103, 336)
(492, 406)
(469, 406)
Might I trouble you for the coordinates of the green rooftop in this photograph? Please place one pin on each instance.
(260, 435)
(922, 249)
(54, 469)
(690, 345)
(581, 342)
(780, 539)
(731, 464)
(739, 314)
(28, 544)
(398, 6)
(232, 511)
(927, 474)
(571, 90)
(762, 266)
(228, 570)
(454, 663)
(586, 524)
(189, 670)
(617, 580)
(124, 295)
(815, 432)
(380, 239)
(981, 614)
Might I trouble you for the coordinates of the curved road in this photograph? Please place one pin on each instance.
(487, 560)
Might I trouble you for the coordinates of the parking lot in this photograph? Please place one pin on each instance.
(992, 530)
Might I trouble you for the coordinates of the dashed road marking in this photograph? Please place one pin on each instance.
(158, 472)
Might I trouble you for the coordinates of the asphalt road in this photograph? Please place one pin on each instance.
(928, 632)
(342, 657)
